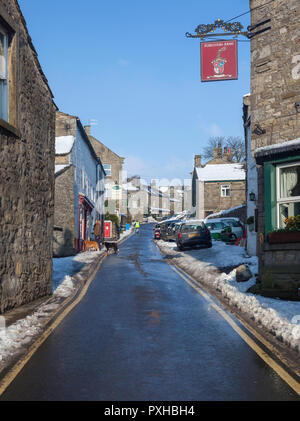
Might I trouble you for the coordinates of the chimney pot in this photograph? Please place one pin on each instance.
(197, 160)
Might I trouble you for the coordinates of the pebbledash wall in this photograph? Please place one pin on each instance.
(27, 137)
(275, 119)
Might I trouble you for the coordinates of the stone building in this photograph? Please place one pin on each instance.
(27, 132)
(275, 139)
(218, 185)
(113, 165)
(79, 187)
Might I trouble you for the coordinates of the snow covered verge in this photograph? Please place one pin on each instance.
(70, 273)
(278, 317)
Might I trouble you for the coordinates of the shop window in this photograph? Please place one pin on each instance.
(288, 192)
(225, 190)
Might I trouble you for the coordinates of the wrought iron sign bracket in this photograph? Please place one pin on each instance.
(230, 29)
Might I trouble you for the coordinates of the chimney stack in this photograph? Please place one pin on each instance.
(197, 161)
(87, 130)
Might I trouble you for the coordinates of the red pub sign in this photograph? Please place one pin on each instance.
(219, 60)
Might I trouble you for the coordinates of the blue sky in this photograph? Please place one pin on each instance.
(128, 65)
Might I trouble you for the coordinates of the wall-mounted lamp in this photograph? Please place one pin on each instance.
(258, 130)
(297, 106)
(252, 197)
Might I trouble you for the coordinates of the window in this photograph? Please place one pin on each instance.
(225, 190)
(107, 168)
(3, 74)
(288, 192)
(107, 190)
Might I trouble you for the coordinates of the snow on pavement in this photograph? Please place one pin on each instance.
(274, 314)
(15, 337)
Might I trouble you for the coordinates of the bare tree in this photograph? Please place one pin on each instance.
(235, 143)
(237, 147)
(213, 143)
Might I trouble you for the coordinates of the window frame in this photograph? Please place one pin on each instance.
(279, 200)
(105, 169)
(10, 27)
(4, 78)
(225, 186)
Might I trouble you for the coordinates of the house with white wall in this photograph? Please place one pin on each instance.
(79, 186)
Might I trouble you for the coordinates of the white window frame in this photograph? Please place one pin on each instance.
(281, 200)
(105, 169)
(4, 76)
(225, 187)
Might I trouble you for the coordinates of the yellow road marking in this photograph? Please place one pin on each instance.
(262, 354)
(12, 374)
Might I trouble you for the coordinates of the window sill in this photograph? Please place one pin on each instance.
(9, 128)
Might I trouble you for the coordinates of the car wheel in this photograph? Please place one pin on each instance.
(209, 245)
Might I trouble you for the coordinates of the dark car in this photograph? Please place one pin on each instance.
(193, 234)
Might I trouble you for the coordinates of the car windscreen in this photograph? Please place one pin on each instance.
(232, 223)
(193, 227)
(215, 225)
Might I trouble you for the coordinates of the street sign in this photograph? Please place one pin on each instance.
(219, 60)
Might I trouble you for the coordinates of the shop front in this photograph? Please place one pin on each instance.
(85, 222)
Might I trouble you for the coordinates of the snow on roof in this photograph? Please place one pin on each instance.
(63, 144)
(129, 187)
(60, 167)
(280, 147)
(220, 172)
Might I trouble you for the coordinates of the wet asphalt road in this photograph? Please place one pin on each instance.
(141, 333)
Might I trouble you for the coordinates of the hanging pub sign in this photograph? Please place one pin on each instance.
(219, 60)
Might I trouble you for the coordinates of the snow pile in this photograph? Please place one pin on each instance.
(16, 337)
(205, 264)
(125, 234)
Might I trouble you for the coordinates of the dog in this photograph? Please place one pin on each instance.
(91, 245)
(111, 245)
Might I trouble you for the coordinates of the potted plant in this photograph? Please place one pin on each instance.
(289, 234)
(250, 223)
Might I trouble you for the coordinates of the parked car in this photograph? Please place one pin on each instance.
(173, 230)
(164, 229)
(217, 225)
(157, 234)
(192, 234)
(215, 229)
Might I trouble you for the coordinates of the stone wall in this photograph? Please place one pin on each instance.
(275, 79)
(64, 214)
(275, 90)
(26, 173)
(213, 202)
(275, 72)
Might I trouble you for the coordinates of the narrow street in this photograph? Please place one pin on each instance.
(141, 333)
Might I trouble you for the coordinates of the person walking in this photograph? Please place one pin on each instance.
(137, 227)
